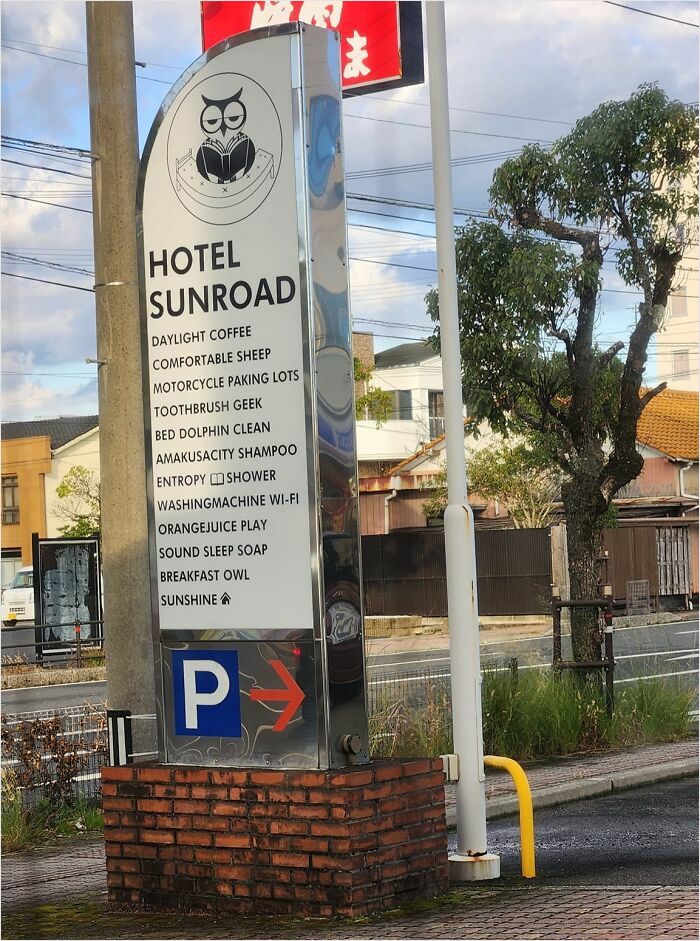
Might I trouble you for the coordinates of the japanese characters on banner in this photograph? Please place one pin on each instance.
(372, 34)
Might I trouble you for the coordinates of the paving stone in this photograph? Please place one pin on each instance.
(56, 875)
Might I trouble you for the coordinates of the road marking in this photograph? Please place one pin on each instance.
(405, 679)
(526, 666)
(656, 676)
(408, 677)
(402, 663)
(632, 627)
(655, 653)
(45, 686)
(517, 640)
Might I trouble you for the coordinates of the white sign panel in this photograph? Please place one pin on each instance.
(225, 334)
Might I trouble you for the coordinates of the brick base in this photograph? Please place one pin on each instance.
(324, 843)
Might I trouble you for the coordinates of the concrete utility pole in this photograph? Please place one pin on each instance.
(114, 144)
(472, 860)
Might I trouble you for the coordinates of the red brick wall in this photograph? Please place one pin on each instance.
(323, 843)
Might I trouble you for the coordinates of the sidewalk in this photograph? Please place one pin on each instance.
(483, 911)
(503, 633)
(53, 876)
(556, 782)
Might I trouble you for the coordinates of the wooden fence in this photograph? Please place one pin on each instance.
(404, 572)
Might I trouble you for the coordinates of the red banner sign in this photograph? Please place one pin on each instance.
(373, 53)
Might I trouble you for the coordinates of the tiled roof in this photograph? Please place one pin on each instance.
(406, 354)
(60, 430)
(421, 452)
(669, 423)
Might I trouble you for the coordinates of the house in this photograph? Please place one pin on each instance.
(667, 438)
(412, 374)
(667, 486)
(36, 455)
(395, 499)
(676, 344)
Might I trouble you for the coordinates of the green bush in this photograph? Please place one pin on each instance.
(538, 714)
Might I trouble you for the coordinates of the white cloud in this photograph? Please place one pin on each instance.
(552, 59)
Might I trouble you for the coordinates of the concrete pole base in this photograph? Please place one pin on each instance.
(474, 868)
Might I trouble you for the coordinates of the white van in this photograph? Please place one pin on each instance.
(18, 598)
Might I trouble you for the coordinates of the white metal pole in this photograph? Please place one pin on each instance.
(472, 860)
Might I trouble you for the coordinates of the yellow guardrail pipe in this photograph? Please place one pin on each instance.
(527, 825)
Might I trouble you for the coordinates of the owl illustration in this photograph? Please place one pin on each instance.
(222, 160)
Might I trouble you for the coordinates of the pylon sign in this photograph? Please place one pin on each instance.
(248, 386)
(381, 42)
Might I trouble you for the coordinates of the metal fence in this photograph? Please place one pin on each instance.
(61, 753)
(55, 755)
(73, 643)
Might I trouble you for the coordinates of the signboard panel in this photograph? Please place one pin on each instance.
(250, 437)
(244, 703)
(226, 337)
(381, 42)
(67, 589)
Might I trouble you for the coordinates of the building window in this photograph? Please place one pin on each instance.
(436, 414)
(681, 364)
(678, 304)
(402, 409)
(10, 500)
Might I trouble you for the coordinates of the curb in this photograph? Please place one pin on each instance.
(589, 787)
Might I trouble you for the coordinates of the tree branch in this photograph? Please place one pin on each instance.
(565, 337)
(530, 218)
(650, 394)
(608, 356)
(628, 232)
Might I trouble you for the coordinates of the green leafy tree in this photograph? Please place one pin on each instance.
(78, 503)
(374, 403)
(614, 189)
(519, 476)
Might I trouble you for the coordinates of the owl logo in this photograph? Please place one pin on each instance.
(224, 146)
(226, 154)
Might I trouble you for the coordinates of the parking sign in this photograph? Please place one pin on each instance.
(206, 693)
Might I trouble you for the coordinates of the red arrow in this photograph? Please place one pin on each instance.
(292, 694)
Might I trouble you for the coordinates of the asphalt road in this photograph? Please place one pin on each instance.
(644, 836)
(652, 650)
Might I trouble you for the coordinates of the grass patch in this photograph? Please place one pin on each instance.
(26, 827)
(538, 715)
(30, 675)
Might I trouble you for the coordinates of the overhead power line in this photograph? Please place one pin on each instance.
(420, 167)
(83, 52)
(33, 260)
(410, 204)
(453, 130)
(33, 166)
(660, 16)
(60, 284)
(492, 114)
(45, 55)
(44, 146)
(45, 203)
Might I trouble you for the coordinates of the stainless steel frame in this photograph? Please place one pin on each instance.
(334, 650)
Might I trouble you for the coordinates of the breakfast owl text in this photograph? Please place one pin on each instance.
(226, 295)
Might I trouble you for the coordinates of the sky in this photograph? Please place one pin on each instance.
(519, 70)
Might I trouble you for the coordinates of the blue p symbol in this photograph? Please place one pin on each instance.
(206, 693)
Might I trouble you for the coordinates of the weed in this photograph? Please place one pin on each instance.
(26, 826)
(538, 714)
